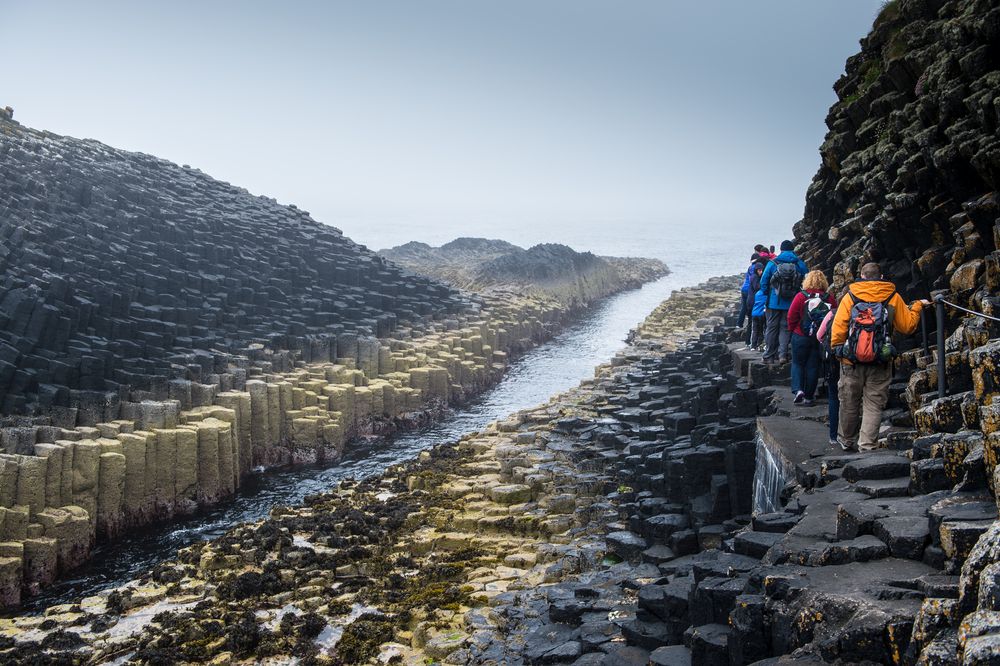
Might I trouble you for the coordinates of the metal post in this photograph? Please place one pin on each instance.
(923, 333)
(942, 386)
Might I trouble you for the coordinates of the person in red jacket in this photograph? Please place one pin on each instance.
(809, 307)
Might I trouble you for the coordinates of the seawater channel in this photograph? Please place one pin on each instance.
(539, 374)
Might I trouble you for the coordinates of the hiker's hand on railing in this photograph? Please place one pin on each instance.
(925, 302)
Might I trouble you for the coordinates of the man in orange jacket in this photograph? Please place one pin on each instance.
(864, 388)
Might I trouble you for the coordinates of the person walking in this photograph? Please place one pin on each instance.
(756, 269)
(832, 368)
(758, 316)
(745, 288)
(781, 281)
(808, 310)
(869, 312)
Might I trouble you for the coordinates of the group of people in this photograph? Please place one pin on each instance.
(792, 316)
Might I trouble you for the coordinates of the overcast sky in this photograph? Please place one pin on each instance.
(460, 114)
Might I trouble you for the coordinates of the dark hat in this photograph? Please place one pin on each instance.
(787, 245)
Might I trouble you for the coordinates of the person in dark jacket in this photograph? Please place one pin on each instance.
(832, 377)
(807, 356)
(776, 333)
(745, 289)
(755, 306)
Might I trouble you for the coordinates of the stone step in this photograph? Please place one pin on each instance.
(671, 655)
(755, 544)
(928, 476)
(658, 554)
(783, 401)
(906, 536)
(897, 487)
(939, 586)
(709, 644)
(648, 635)
(877, 466)
(779, 522)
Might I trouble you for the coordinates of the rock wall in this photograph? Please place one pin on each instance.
(128, 278)
(911, 163)
(910, 177)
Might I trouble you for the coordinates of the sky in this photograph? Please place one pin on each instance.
(548, 120)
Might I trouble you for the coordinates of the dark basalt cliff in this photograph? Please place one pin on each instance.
(911, 163)
(120, 272)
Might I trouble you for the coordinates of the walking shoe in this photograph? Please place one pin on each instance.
(808, 402)
(847, 447)
(834, 442)
(799, 397)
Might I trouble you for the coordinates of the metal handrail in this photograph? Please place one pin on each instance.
(940, 299)
(939, 304)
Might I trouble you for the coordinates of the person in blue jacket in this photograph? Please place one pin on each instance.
(758, 310)
(780, 284)
(753, 286)
(745, 290)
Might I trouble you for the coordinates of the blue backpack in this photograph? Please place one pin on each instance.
(759, 303)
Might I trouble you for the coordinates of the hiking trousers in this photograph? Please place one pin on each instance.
(833, 404)
(863, 392)
(776, 335)
(806, 359)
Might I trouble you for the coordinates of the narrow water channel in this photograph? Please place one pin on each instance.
(546, 370)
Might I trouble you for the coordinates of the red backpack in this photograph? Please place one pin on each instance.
(869, 332)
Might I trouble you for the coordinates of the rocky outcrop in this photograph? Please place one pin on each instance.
(129, 278)
(490, 266)
(909, 178)
(911, 163)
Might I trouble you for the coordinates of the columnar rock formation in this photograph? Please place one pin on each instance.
(911, 164)
(127, 278)
(162, 334)
(557, 271)
(408, 562)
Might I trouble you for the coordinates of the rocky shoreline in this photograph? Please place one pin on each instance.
(676, 509)
(417, 545)
(89, 483)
